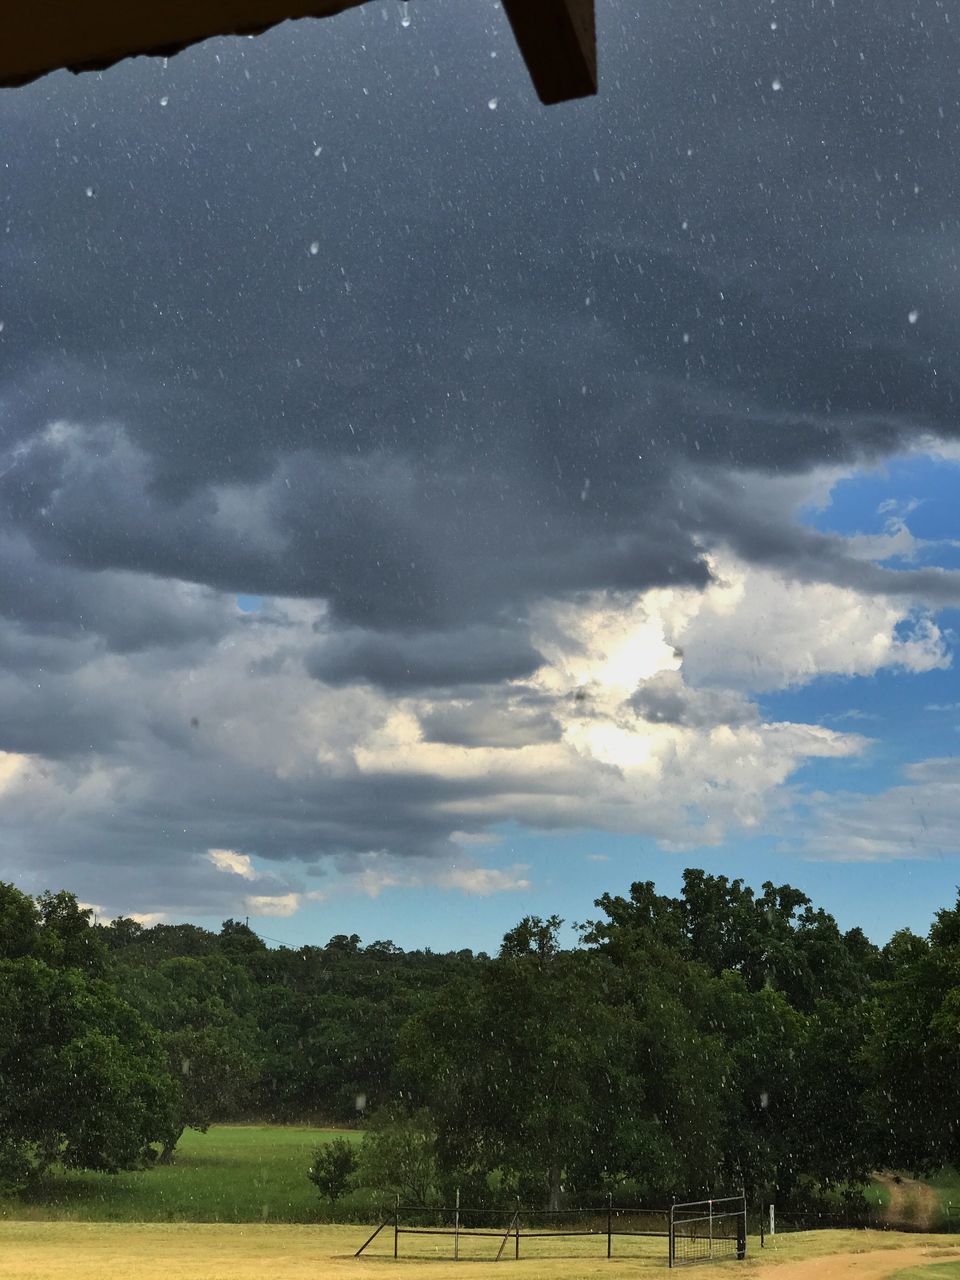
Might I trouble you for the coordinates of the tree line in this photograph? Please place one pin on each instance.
(722, 1037)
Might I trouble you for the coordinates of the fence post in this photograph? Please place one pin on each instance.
(456, 1229)
(711, 1230)
(742, 1230)
(609, 1224)
(670, 1246)
(396, 1227)
(773, 1221)
(517, 1249)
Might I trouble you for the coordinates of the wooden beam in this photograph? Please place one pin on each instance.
(556, 37)
(559, 45)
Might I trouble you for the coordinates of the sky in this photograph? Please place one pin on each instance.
(420, 508)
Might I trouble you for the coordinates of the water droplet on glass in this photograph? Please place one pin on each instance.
(492, 104)
(913, 317)
(315, 247)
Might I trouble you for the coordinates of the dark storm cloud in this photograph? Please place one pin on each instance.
(304, 317)
(473, 655)
(518, 326)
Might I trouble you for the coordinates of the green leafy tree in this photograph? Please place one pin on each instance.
(202, 1008)
(83, 1079)
(398, 1154)
(523, 1069)
(334, 1168)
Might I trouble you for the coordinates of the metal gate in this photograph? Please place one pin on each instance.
(708, 1230)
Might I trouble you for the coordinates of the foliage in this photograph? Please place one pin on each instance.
(82, 1077)
(398, 1155)
(722, 1036)
(333, 1168)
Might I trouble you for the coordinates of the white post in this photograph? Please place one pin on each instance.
(456, 1230)
(710, 1254)
(773, 1225)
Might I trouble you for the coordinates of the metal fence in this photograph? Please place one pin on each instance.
(708, 1230)
(690, 1236)
(506, 1229)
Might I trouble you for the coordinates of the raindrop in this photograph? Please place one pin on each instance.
(164, 100)
(314, 247)
(492, 104)
(2, 322)
(913, 317)
(404, 13)
(89, 193)
(773, 26)
(777, 85)
(317, 150)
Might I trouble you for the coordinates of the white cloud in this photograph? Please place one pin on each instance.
(238, 864)
(918, 818)
(480, 882)
(282, 904)
(376, 872)
(755, 629)
(148, 918)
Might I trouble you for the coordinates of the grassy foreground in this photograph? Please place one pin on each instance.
(89, 1251)
(234, 1173)
(938, 1271)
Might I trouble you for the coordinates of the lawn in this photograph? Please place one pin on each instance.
(234, 1173)
(179, 1251)
(938, 1271)
(946, 1184)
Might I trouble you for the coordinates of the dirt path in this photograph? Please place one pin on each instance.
(875, 1264)
(912, 1203)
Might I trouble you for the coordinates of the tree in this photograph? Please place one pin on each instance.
(399, 1154)
(523, 1070)
(333, 1168)
(202, 1007)
(83, 1079)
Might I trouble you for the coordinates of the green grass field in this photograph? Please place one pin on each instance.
(234, 1173)
(946, 1184)
(936, 1271)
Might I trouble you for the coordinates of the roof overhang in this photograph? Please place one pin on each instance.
(556, 37)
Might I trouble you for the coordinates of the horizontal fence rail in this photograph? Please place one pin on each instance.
(604, 1222)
